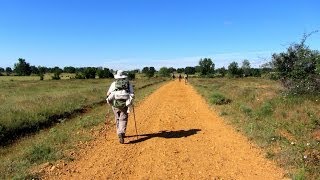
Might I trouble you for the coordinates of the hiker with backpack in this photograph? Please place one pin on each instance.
(120, 96)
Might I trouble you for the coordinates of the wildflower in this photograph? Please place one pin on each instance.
(273, 139)
(308, 144)
(292, 143)
(305, 156)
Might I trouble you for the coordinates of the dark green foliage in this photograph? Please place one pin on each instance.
(40, 153)
(206, 66)
(164, 72)
(221, 72)
(90, 73)
(246, 68)
(104, 73)
(299, 68)
(69, 69)
(219, 99)
(131, 75)
(56, 76)
(234, 70)
(171, 69)
(1, 70)
(79, 76)
(22, 68)
(149, 71)
(41, 76)
(180, 70)
(34, 70)
(190, 70)
(8, 71)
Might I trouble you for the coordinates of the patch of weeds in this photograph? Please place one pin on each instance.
(39, 153)
(219, 99)
(246, 109)
(58, 136)
(266, 110)
(223, 113)
(89, 121)
(270, 155)
(300, 175)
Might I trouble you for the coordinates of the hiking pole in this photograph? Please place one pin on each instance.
(135, 124)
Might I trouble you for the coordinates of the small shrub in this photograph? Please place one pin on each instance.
(245, 109)
(56, 76)
(266, 109)
(219, 99)
(79, 76)
(40, 153)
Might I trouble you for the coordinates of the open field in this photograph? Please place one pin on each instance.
(287, 127)
(47, 76)
(28, 105)
(65, 139)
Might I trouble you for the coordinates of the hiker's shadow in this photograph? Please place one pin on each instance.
(165, 134)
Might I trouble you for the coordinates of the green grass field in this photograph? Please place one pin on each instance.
(32, 104)
(60, 142)
(287, 127)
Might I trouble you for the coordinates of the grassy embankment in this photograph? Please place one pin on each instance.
(286, 127)
(27, 106)
(61, 141)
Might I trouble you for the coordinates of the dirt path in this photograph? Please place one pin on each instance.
(180, 138)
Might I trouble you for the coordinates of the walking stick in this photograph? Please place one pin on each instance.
(135, 124)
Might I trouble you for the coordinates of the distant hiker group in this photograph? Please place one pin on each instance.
(180, 77)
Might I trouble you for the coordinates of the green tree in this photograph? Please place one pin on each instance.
(221, 71)
(189, 70)
(69, 69)
(180, 70)
(171, 69)
(8, 71)
(1, 70)
(104, 73)
(34, 70)
(22, 68)
(246, 69)
(90, 73)
(299, 67)
(207, 66)
(149, 71)
(164, 72)
(233, 69)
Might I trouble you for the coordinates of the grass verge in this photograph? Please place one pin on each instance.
(286, 127)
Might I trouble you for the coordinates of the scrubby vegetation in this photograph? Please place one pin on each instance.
(287, 127)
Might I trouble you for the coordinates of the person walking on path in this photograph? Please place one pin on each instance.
(120, 96)
(180, 77)
(185, 78)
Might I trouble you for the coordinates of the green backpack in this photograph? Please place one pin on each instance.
(121, 84)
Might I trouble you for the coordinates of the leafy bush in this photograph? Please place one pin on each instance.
(79, 76)
(219, 99)
(299, 68)
(90, 73)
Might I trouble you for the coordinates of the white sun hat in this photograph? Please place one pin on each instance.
(120, 75)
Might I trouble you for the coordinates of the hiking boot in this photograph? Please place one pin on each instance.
(121, 138)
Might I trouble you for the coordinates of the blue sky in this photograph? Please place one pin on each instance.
(128, 34)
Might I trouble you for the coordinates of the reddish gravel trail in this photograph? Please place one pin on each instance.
(181, 138)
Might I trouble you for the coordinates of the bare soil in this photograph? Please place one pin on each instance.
(180, 138)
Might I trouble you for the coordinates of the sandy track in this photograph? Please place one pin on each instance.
(180, 138)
